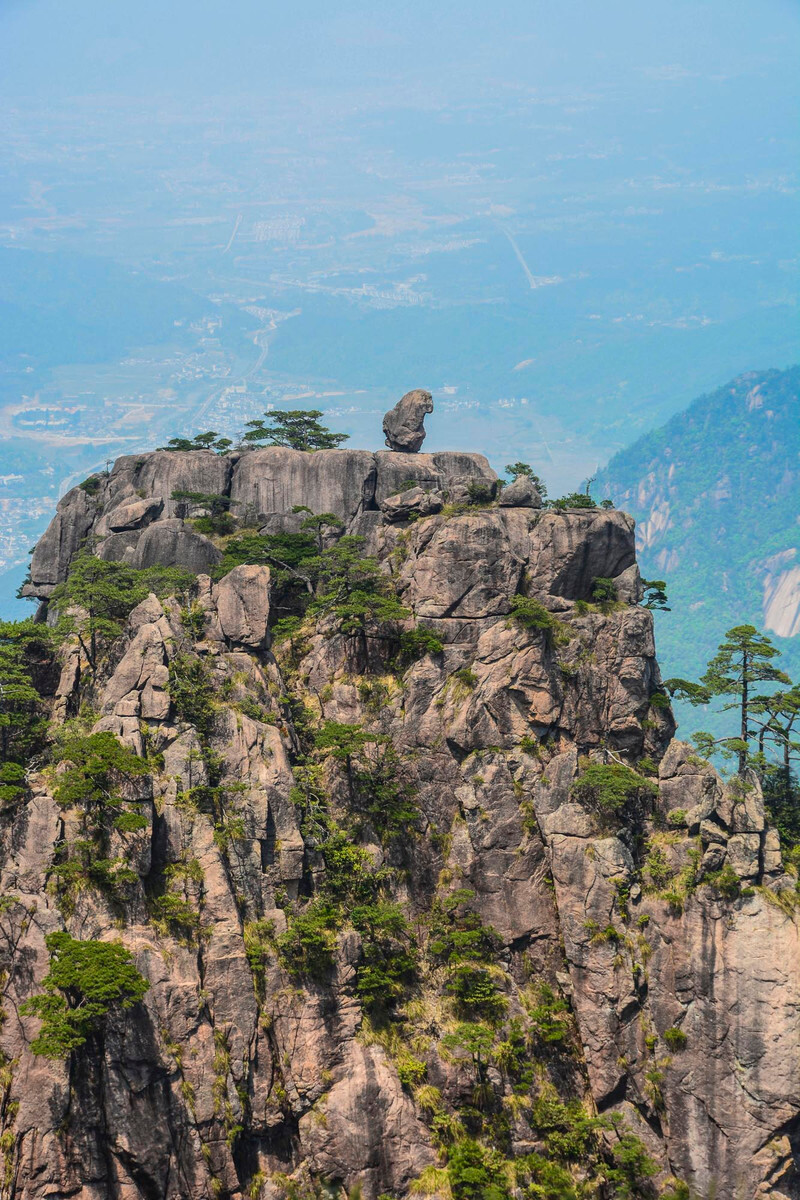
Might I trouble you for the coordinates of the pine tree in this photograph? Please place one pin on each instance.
(298, 429)
(515, 470)
(655, 595)
(210, 440)
(97, 597)
(22, 718)
(743, 660)
(778, 718)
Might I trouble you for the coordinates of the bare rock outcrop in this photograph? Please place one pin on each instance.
(241, 599)
(522, 493)
(404, 425)
(413, 502)
(130, 516)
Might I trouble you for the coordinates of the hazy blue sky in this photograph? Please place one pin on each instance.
(50, 47)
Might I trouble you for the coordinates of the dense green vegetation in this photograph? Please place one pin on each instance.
(85, 983)
(25, 647)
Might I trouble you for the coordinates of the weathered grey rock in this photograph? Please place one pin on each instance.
(136, 498)
(463, 566)
(713, 858)
(226, 1079)
(629, 585)
(366, 1130)
(744, 850)
(170, 544)
(404, 425)
(118, 547)
(134, 515)
(241, 599)
(710, 832)
(573, 549)
(689, 787)
(415, 502)
(274, 480)
(157, 475)
(282, 522)
(370, 526)
(773, 863)
(736, 1083)
(747, 808)
(444, 471)
(522, 493)
(60, 542)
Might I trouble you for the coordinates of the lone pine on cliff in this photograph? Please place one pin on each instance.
(412, 888)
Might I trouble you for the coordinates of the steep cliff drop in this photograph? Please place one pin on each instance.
(426, 896)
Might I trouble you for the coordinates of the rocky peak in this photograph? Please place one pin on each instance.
(421, 883)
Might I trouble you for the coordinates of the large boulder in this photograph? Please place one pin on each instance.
(170, 544)
(447, 471)
(414, 502)
(569, 551)
(157, 475)
(135, 515)
(131, 516)
(403, 425)
(522, 493)
(242, 601)
(60, 542)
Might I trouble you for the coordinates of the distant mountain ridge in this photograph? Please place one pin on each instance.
(716, 495)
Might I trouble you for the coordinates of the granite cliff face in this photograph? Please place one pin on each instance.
(637, 958)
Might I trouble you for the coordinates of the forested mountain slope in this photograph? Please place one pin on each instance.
(716, 497)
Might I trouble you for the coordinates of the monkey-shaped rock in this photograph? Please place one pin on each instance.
(403, 425)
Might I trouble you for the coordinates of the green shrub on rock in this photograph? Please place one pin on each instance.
(675, 1038)
(531, 614)
(475, 1173)
(86, 981)
(476, 992)
(308, 946)
(608, 789)
(99, 769)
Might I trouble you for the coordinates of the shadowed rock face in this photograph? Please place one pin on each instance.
(404, 425)
(232, 1073)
